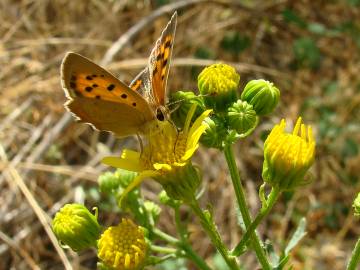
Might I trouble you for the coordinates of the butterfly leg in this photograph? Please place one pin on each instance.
(140, 143)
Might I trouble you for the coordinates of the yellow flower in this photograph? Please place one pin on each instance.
(288, 156)
(123, 246)
(167, 153)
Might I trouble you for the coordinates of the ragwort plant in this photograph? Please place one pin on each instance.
(216, 118)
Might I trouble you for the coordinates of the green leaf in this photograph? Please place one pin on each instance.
(317, 28)
(290, 16)
(235, 43)
(297, 236)
(274, 258)
(306, 53)
(350, 148)
(353, 2)
(282, 263)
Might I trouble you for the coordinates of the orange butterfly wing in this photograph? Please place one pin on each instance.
(97, 97)
(159, 62)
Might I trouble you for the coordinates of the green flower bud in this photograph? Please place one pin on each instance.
(241, 117)
(356, 205)
(263, 95)
(76, 227)
(218, 83)
(165, 199)
(181, 183)
(153, 209)
(182, 102)
(111, 182)
(215, 132)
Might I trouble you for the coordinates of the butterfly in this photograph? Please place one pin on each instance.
(96, 97)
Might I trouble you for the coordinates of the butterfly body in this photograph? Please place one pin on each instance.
(98, 98)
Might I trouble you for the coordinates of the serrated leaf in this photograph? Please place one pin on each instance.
(297, 236)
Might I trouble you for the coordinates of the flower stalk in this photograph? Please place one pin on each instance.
(266, 207)
(240, 196)
(210, 228)
(184, 246)
(355, 257)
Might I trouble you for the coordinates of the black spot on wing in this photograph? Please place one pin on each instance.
(164, 62)
(155, 71)
(111, 87)
(168, 44)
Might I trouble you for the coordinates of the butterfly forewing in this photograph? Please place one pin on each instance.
(159, 62)
(97, 97)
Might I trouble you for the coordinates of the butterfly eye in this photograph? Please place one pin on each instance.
(160, 115)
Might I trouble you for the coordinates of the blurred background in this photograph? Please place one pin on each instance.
(309, 49)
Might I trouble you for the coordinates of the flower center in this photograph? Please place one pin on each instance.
(123, 246)
(167, 146)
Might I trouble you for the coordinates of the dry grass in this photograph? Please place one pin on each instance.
(47, 160)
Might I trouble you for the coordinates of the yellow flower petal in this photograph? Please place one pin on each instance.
(189, 116)
(162, 166)
(195, 137)
(118, 162)
(199, 121)
(137, 181)
(188, 154)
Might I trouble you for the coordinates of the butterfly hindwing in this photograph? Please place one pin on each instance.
(159, 62)
(142, 85)
(99, 98)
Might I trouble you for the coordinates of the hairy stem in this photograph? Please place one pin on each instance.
(211, 230)
(240, 196)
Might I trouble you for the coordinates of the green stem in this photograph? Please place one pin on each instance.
(210, 228)
(168, 238)
(161, 249)
(185, 245)
(181, 230)
(190, 254)
(153, 260)
(355, 257)
(273, 196)
(240, 196)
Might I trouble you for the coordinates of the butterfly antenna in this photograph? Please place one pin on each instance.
(177, 102)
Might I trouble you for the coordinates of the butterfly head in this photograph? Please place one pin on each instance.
(162, 113)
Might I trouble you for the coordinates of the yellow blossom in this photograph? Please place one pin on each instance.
(123, 246)
(167, 151)
(288, 156)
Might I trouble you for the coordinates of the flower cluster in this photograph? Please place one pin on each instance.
(233, 117)
(216, 118)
